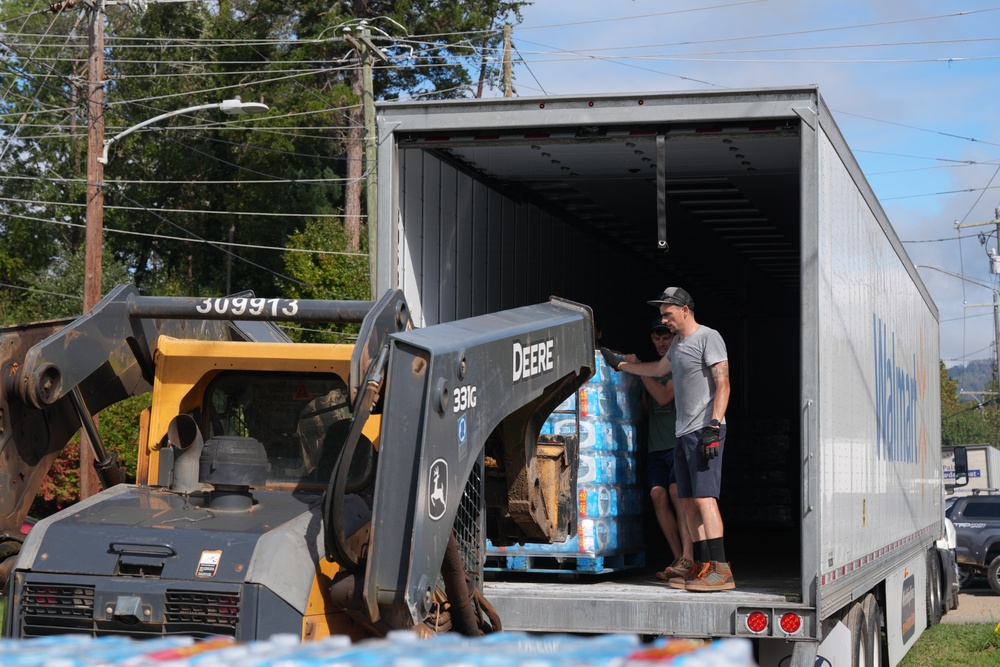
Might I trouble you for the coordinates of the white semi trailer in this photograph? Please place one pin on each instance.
(752, 201)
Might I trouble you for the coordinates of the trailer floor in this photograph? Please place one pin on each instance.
(751, 582)
(635, 601)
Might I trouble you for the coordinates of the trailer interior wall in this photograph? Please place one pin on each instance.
(880, 487)
(469, 248)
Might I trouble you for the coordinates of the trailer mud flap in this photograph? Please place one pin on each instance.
(906, 605)
(835, 649)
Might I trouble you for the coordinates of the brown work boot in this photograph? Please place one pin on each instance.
(678, 568)
(681, 582)
(715, 576)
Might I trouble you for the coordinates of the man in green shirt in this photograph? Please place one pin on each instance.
(661, 480)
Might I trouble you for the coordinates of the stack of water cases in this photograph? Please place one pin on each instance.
(398, 649)
(605, 413)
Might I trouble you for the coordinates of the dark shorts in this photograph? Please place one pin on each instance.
(660, 469)
(696, 477)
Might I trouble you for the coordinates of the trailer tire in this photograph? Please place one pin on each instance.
(993, 575)
(855, 622)
(933, 589)
(878, 649)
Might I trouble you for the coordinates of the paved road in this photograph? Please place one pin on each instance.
(976, 604)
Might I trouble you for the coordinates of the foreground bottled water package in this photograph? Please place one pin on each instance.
(398, 649)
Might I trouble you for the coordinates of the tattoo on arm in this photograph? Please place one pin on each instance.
(720, 369)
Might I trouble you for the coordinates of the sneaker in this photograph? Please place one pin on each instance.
(715, 576)
(678, 568)
(681, 582)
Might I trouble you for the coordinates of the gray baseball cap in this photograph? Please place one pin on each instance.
(676, 296)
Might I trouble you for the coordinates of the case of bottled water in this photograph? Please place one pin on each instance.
(609, 498)
(398, 649)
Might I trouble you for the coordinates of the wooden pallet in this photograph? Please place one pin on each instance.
(566, 563)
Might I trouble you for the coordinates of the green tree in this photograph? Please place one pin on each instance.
(179, 193)
(200, 203)
(119, 429)
(962, 423)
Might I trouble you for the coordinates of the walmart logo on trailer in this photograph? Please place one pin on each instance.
(897, 394)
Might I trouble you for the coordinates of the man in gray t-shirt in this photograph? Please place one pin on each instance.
(699, 363)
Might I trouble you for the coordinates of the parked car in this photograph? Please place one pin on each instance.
(977, 528)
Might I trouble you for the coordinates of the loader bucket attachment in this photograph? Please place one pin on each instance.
(30, 439)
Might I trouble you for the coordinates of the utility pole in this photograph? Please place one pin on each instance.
(994, 270)
(95, 146)
(367, 51)
(371, 152)
(89, 484)
(508, 78)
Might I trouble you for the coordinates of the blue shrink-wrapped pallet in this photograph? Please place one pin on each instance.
(604, 414)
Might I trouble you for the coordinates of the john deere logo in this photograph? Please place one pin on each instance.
(437, 501)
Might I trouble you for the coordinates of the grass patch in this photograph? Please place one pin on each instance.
(973, 645)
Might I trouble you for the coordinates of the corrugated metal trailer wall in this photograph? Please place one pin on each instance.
(478, 251)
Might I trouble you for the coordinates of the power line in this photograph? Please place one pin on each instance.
(13, 135)
(919, 129)
(810, 31)
(775, 49)
(950, 238)
(126, 181)
(937, 194)
(40, 202)
(226, 251)
(42, 291)
(164, 237)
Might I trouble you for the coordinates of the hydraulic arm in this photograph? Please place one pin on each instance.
(455, 394)
(55, 375)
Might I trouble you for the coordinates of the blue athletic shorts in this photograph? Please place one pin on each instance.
(660, 469)
(696, 477)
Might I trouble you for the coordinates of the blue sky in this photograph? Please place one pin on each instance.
(914, 87)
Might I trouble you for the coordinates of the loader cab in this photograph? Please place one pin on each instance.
(292, 398)
(290, 414)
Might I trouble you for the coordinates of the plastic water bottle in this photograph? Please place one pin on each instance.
(596, 501)
(586, 470)
(627, 437)
(597, 535)
(598, 401)
(568, 405)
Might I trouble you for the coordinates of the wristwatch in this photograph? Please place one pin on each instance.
(714, 422)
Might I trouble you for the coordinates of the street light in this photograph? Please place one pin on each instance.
(95, 204)
(233, 107)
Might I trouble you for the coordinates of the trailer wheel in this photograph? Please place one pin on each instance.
(993, 575)
(855, 621)
(878, 655)
(933, 589)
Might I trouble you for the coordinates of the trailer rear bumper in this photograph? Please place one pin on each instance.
(648, 609)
